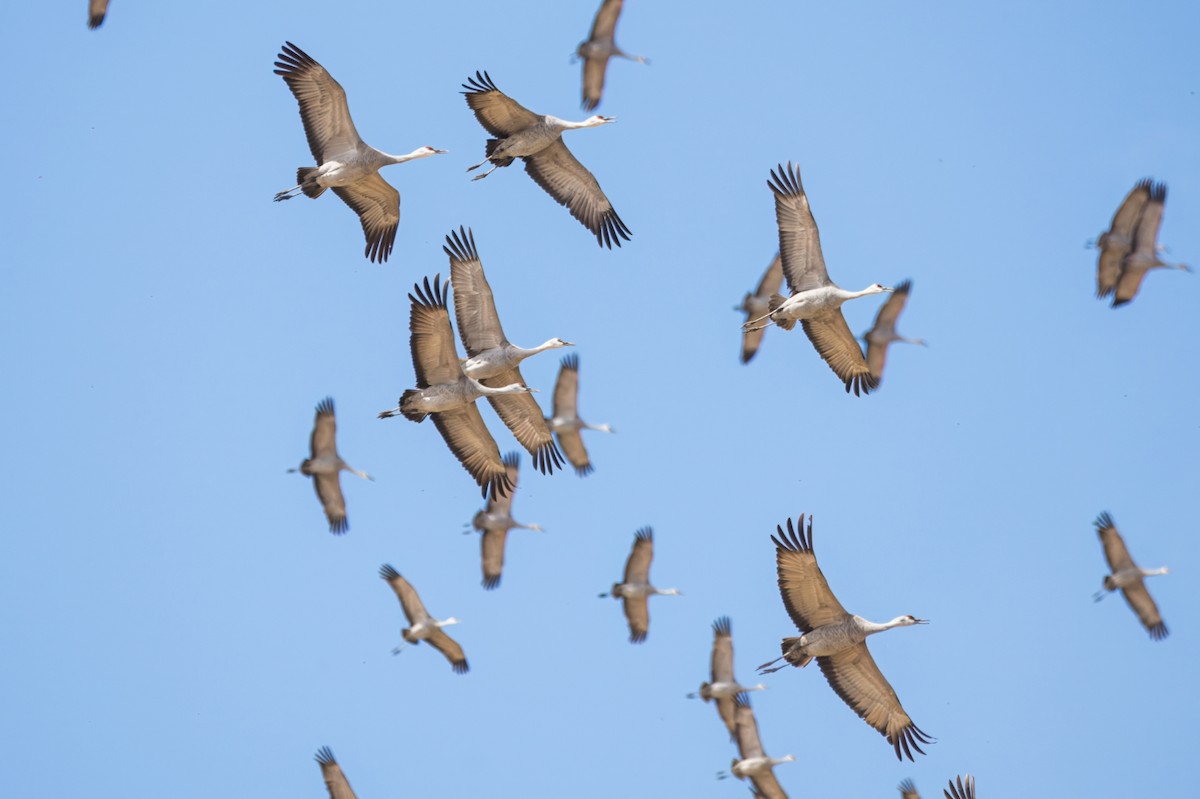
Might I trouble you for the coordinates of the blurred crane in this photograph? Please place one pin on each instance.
(1129, 577)
(724, 687)
(494, 521)
(757, 303)
(883, 333)
(324, 465)
(636, 589)
(335, 781)
(423, 627)
(598, 48)
(566, 423)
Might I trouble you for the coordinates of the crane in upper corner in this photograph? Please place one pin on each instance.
(838, 641)
(345, 163)
(598, 48)
(537, 140)
(816, 301)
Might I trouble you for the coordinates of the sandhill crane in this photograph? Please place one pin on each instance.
(424, 627)
(883, 332)
(908, 790)
(1129, 577)
(492, 359)
(537, 140)
(816, 301)
(636, 589)
(757, 304)
(324, 465)
(566, 423)
(345, 163)
(1144, 255)
(335, 781)
(446, 393)
(837, 640)
(494, 521)
(754, 762)
(1117, 242)
(724, 687)
(599, 47)
(96, 11)
(965, 789)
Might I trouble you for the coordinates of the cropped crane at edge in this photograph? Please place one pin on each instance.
(537, 140)
(345, 163)
(324, 465)
(598, 48)
(837, 640)
(883, 333)
(816, 301)
(335, 781)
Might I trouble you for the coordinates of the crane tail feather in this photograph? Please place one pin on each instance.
(307, 181)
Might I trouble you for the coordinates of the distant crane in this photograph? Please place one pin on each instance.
(537, 140)
(494, 521)
(965, 789)
(345, 163)
(1129, 577)
(758, 303)
(444, 392)
(324, 465)
(837, 640)
(566, 423)
(816, 301)
(492, 359)
(335, 781)
(96, 11)
(1144, 255)
(423, 626)
(724, 687)
(636, 589)
(599, 47)
(883, 333)
(754, 762)
(1117, 242)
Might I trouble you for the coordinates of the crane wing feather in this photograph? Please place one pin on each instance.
(492, 556)
(324, 434)
(377, 204)
(410, 602)
(329, 492)
(604, 26)
(799, 239)
(637, 612)
(1115, 551)
(637, 567)
(499, 114)
(323, 107)
(722, 651)
(854, 677)
(523, 416)
(431, 339)
(450, 648)
(566, 388)
(468, 438)
(335, 781)
(474, 305)
(806, 594)
(96, 11)
(1117, 241)
(561, 175)
(767, 786)
(594, 68)
(831, 337)
(748, 742)
(1146, 609)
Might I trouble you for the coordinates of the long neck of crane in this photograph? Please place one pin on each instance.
(871, 627)
(1154, 572)
(488, 391)
(400, 159)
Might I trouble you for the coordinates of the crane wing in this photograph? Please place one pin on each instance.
(1116, 243)
(767, 786)
(854, 677)
(908, 790)
(605, 23)
(523, 416)
(1115, 551)
(414, 609)
(1144, 253)
(468, 438)
(450, 648)
(335, 781)
(492, 555)
(799, 239)
(324, 435)
(96, 11)
(499, 114)
(726, 710)
(879, 337)
(501, 504)
(572, 446)
(768, 285)
(323, 107)
(566, 388)
(963, 790)
(431, 339)
(1146, 609)
(637, 612)
(594, 68)
(329, 491)
(748, 742)
(722, 650)
(831, 337)
(378, 207)
(474, 306)
(806, 594)
(572, 185)
(637, 567)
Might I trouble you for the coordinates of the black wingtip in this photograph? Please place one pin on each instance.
(325, 757)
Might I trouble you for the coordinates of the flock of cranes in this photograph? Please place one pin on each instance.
(447, 387)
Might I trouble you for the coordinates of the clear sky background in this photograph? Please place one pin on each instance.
(179, 622)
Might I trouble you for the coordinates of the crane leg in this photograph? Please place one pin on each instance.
(287, 195)
(485, 174)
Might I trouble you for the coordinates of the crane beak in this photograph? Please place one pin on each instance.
(922, 621)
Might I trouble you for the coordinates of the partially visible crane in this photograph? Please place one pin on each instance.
(598, 48)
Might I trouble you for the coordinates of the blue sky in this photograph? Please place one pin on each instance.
(179, 622)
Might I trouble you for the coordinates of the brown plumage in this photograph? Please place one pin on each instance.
(325, 466)
(597, 49)
(1117, 241)
(964, 789)
(908, 790)
(757, 303)
(96, 11)
(636, 589)
(565, 422)
(883, 333)
(424, 626)
(494, 522)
